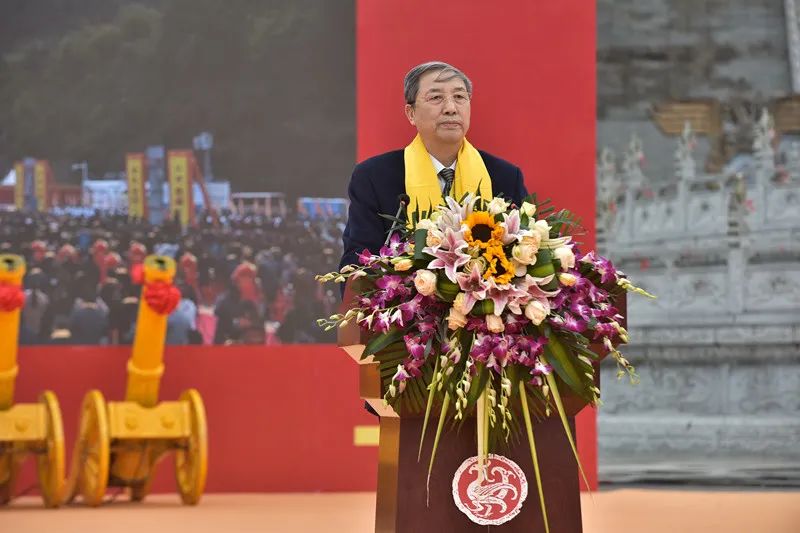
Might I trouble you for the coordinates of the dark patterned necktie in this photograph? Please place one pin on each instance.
(447, 174)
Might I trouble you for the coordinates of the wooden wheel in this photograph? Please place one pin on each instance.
(89, 474)
(191, 462)
(50, 463)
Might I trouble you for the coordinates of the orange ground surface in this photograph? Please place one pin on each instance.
(613, 511)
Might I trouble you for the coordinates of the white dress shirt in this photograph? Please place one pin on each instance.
(438, 167)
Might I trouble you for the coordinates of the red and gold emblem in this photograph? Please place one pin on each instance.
(491, 497)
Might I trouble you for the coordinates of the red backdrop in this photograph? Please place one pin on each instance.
(533, 69)
(280, 419)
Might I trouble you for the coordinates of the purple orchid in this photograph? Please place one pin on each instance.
(559, 300)
(537, 345)
(602, 266)
(366, 258)
(401, 374)
(413, 366)
(428, 326)
(477, 324)
(500, 353)
(569, 323)
(396, 247)
(450, 256)
(389, 282)
(541, 369)
(515, 323)
(605, 330)
(411, 308)
(382, 322)
(481, 347)
(581, 309)
(391, 287)
(415, 347)
(491, 350)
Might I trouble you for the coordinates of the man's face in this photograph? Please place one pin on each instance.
(441, 110)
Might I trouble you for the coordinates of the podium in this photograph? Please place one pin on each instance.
(402, 503)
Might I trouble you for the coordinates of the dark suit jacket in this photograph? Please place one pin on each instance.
(378, 181)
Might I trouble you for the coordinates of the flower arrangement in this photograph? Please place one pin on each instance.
(482, 307)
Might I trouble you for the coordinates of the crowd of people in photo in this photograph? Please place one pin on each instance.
(244, 279)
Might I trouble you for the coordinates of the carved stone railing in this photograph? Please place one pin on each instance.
(721, 249)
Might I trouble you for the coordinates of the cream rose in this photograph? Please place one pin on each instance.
(497, 206)
(533, 238)
(434, 238)
(494, 323)
(524, 254)
(565, 255)
(425, 282)
(455, 319)
(403, 264)
(458, 303)
(528, 208)
(542, 228)
(474, 251)
(472, 264)
(426, 223)
(567, 279)
(536, 312)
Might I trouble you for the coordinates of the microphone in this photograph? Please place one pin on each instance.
(404, 200)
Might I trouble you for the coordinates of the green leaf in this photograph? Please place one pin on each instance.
(562, 363)
(551, 380)
(537, 471)
(381, 341)
(582, 349)
(478, 383)
(442, 416)
(420, 237)
(431, 394)
(446, 289)
(544, 264)
(482, 308)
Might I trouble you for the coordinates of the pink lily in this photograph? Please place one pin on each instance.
(474, 288)
(450, 255)
(511, 224)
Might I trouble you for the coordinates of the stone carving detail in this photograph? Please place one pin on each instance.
(773, 290)
(717, 352)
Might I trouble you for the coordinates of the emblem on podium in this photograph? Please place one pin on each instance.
(493, 497)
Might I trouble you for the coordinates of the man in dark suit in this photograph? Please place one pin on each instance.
(438, 99)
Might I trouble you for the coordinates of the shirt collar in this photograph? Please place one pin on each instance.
(438, 166)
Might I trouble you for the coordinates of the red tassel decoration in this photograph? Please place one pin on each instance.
(162, 297)
(11, 297)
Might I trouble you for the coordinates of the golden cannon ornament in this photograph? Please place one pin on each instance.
(25, 428)
(120, 443)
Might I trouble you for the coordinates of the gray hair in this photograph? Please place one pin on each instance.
(446, 72)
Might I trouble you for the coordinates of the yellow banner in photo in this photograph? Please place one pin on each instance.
(41, 177)
(180, 182)
(19, 185)
(134, 168)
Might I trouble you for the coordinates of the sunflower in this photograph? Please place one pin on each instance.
(500, 268)
(482, 230)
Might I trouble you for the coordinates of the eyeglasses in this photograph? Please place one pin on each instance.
(438, 99)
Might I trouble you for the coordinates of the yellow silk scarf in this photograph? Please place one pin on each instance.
(422, 183)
